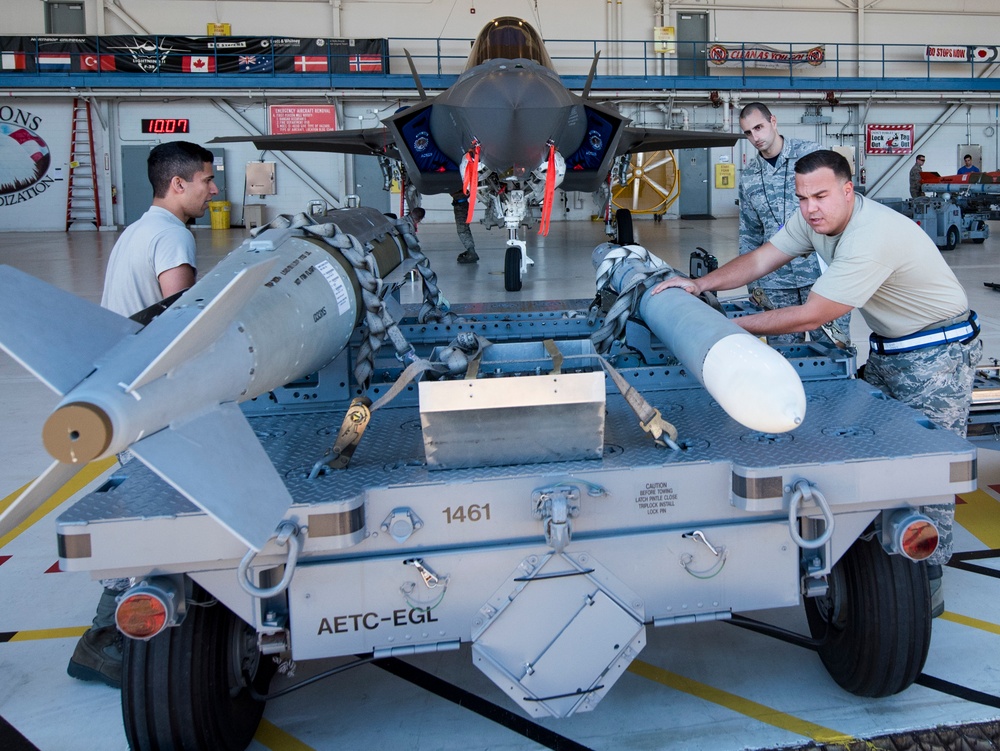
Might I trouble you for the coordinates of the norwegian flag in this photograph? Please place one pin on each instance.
(308, 64)
(91, 61)
(198, 64)
(365, 63)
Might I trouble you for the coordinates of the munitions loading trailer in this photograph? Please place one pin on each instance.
(948, 220)
(520, 507)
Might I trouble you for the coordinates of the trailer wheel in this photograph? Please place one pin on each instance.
(874, 621)
(953, 238)
(512, 269)
(624, 235)
(185, 688)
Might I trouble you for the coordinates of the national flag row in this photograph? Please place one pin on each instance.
(64, 62)
(192, 55)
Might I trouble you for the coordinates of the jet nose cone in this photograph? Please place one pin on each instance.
(77, 433)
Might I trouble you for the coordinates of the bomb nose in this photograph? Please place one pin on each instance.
(77, 433)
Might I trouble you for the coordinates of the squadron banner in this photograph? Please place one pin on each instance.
(762, 56)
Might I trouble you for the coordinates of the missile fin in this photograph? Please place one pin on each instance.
(43, 488)
(208, 325)
(52, 333)
(216, 461)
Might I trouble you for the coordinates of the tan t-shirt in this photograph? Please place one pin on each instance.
(884, 265)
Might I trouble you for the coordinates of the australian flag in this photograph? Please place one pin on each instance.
(256, 64)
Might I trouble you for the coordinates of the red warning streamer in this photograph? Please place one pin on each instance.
(471, 183)
(550, 191)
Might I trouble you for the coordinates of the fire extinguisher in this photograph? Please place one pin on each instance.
(863, 175)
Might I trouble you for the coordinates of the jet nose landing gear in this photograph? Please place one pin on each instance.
(515, 263)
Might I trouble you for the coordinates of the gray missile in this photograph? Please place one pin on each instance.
(752, 382)
(277, 308)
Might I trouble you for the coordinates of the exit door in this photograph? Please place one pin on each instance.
(696, 191)
(692, 44)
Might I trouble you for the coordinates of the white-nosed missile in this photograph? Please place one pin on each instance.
(277, 308)
(752, 382)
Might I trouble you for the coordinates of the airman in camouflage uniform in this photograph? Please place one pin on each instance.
(924, 346)
(767, 199)
(460, 203)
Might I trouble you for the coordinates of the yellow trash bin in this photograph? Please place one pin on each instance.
(219, 214)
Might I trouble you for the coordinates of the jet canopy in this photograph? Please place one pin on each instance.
(509, 38)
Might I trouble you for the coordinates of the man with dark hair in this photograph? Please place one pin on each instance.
(153, 259)
(916, 186)
(924, 346)
(767, 200)
(967, 167)
(155, 256)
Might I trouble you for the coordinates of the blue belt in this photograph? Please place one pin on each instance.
(963, 332)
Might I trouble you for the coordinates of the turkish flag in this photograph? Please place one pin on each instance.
(90, 61)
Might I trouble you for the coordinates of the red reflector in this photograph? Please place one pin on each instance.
(919, 539)
(141, 616)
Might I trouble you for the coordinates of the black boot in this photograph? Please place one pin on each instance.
(98, 654)
(935, 576)
(468, 256)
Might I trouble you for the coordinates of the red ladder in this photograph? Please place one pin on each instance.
(83, 203)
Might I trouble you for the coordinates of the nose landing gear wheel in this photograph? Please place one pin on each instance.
(512, 269)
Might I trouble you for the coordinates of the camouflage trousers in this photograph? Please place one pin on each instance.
(783, 297)
(464, 232)
(938, 382)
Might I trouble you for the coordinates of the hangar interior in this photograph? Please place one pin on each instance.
(914, 69)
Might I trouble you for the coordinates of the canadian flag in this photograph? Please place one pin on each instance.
(195, 64)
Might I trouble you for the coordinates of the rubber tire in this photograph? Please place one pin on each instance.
(875, 621)
(953, 238)
(624, 234)
(512, 269)
(177, 688)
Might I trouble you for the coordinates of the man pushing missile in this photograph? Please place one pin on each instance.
(924, 346)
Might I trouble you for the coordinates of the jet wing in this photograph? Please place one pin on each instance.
(655, 139)
(366, 141)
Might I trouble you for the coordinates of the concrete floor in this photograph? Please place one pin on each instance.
(710, 687)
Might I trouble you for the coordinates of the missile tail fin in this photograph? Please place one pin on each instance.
(216, 461)
(43, 488)
(52, 333)
(208, 325)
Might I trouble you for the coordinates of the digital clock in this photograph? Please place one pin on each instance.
(166, 125)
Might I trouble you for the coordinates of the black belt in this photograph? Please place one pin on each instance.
(962, 332)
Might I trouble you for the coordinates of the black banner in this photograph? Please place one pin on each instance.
(194, 55)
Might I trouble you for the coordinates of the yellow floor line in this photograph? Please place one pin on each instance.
(49, 633)
(86, 475)
(276, 739)
(965, 620)
(980, 514)
(751, 709)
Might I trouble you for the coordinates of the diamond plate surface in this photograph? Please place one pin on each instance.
(866, 425)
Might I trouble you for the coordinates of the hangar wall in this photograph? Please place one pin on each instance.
(307, 177)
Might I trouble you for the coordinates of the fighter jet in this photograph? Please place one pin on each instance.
(507, 132)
